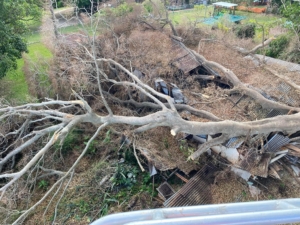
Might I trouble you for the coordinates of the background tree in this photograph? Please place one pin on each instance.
(291, 11)
(14, 18)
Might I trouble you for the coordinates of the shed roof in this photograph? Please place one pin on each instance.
(183, 59)
(225, 4)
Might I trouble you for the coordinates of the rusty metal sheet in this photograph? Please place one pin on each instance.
(196, 191)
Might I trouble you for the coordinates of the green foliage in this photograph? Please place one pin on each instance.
(87, 5)
(125, 175)
(148, 6)
(123, 9)
(92, 147)
(18, 88)
(107, 137)
(277, 46)
(166, 143)
(199, 7)
(14, 17)
(185, 149)
(58, 4)
(84, 207)
(224, 24)
(263, 27)
(74, 140)
(244, 194)
(292, 12)
(70, 141)
(43, 184)
(245, 30)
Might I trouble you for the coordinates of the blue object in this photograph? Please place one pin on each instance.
(212, 20)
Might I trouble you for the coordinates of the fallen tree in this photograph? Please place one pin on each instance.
(23, 126)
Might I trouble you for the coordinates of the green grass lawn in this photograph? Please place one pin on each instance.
(15, 79)
(259, 17)
(15, 84)
(181, 16)
(70, 29)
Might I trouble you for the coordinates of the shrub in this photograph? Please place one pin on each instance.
(291, 53)
(245, 30)
(277, 46)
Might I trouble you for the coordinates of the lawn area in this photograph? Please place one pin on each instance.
(13, 86)
(190, 15)
(15, 82)
(33, 37)
(70, 29)
(259, 17)
(181, 16)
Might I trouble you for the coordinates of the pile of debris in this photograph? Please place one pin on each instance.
(248, 157)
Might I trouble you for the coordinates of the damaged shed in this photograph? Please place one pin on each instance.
(185, 61)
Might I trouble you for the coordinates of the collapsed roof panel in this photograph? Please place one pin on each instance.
(196, 191)
(186, 61)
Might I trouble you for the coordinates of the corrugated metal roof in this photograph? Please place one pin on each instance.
(276, 142)
(196, 191)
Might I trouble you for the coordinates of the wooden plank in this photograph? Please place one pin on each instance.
(294, 153)
(181, 177)
(293, 147)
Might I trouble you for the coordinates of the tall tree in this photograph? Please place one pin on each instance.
(14, 17)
